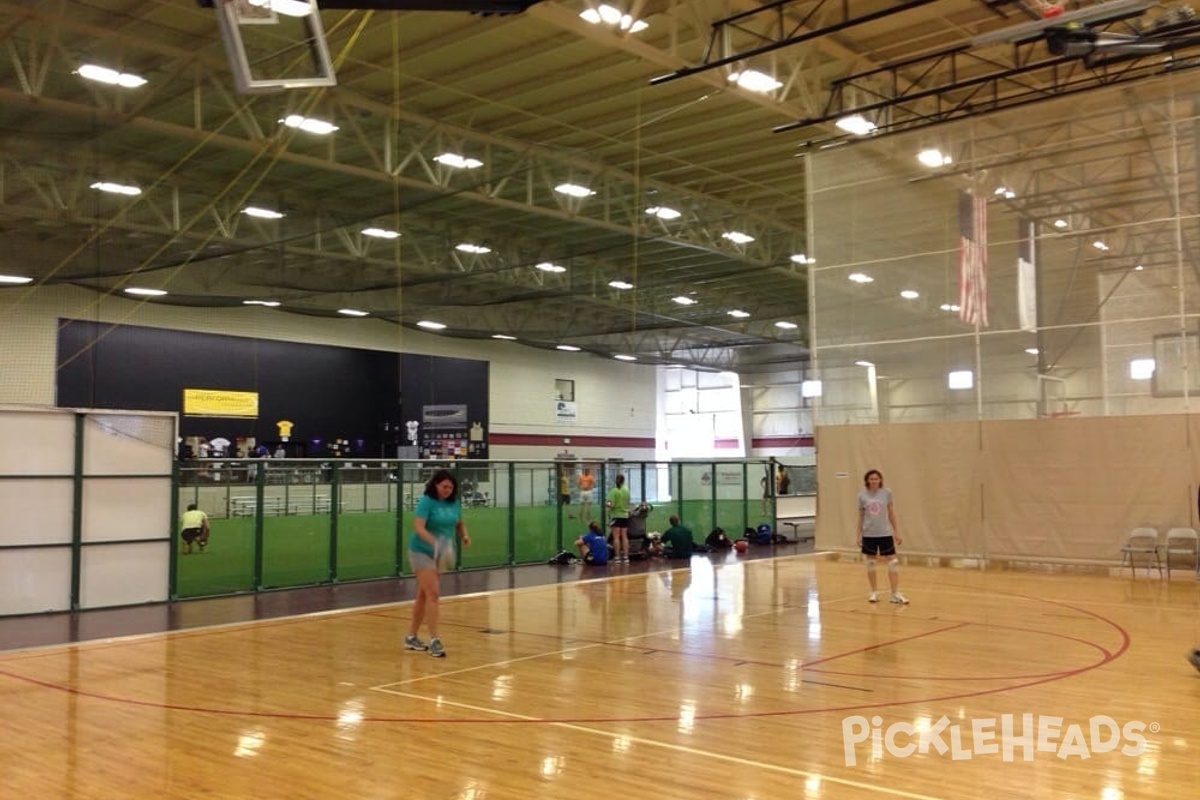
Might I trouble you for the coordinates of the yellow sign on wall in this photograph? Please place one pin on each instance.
(219, 403)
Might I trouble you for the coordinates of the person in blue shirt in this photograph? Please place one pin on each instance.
(437, 528)
(592, 546)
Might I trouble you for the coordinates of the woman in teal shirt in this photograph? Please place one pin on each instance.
(618, 524)
(437, 523)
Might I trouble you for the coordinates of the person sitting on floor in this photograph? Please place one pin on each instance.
(677, 540)
(719, 540)
(593, 545)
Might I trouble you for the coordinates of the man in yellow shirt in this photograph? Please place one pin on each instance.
(194, 525)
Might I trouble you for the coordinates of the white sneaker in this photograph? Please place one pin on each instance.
(873, 597)
(899, 598)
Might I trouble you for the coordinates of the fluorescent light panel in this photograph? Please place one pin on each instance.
(126, 80)
(610, 15)
(142, 292)
(1141, 369)
(573, 190)
(737, 237)
(754, 81)
(504, 336)
(860, 277)
(457, 162)
(289, 8)
(801, 258)
(910, 294)
(570, 348)
(620, 284)
(15, 280)
(738, 313)
(546, 266)
(267, 303)
(309, 124)
(623, 357)
(261, 213)
(684, 300)
(475, 249)
(810, 388)
(116, 188)
(380, 233)
(787, 326)
(353, 312)
(431, 325)
(664, 212)
(856, 124)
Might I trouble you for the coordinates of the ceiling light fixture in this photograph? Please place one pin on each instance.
(474, 249)
(574, 190)
(864, 363)
(754, 81)
(1100, 245)
(15, 280)
(620, 284)
(289, 8)
(570, 348)
(787, 326)
(140, 292)
(116, 188)
(800, 258)
(856, 124)
(860, 277)
(933, 158)
(261, 213)
(737, 237)
(609, 15)
(353, 312)
(309, 124)
(431, 325)
(684, 300)
(504, 336)
(623, 357)
(1138, 268)
(125, 80)
(546, 266)
(738, 313)
(663, 212)
(949, 307)
(381, 233)
(1033, 351)
(267, 303)
(457, 161)
(960, 379)
(910, 294)
(1061, 223)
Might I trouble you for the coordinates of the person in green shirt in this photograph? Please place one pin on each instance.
(618, 524)
(677, 540)
(193, 528)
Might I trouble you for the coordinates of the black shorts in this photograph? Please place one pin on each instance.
(191, 534)
(879, 546)
(618, 522)
(565, 499)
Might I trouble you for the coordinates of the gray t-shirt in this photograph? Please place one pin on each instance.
(874, 508)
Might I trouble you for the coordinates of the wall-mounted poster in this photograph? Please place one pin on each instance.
(565, 412)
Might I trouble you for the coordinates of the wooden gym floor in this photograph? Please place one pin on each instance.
(745, 679)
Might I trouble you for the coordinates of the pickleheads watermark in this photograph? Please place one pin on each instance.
(1012, 737)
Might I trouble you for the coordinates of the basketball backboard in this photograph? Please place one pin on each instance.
(275, 44)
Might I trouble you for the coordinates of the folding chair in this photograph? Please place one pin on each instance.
(1182, 542)
(1141, 542)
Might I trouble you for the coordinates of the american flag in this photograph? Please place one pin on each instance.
(972, 259)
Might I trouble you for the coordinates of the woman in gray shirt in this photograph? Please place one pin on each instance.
(878, 533)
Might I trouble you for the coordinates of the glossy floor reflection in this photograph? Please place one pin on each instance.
(762, 679)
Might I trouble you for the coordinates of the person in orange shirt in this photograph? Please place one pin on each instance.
(587, 493)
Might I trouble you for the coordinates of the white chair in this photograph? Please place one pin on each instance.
(1182, 542)
(1141, 542)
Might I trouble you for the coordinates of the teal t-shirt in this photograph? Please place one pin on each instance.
(441, 519)
(679, 538)
(619, 497)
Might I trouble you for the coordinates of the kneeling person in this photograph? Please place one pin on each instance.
(593, 546)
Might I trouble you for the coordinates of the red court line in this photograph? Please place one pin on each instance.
(490, 720)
